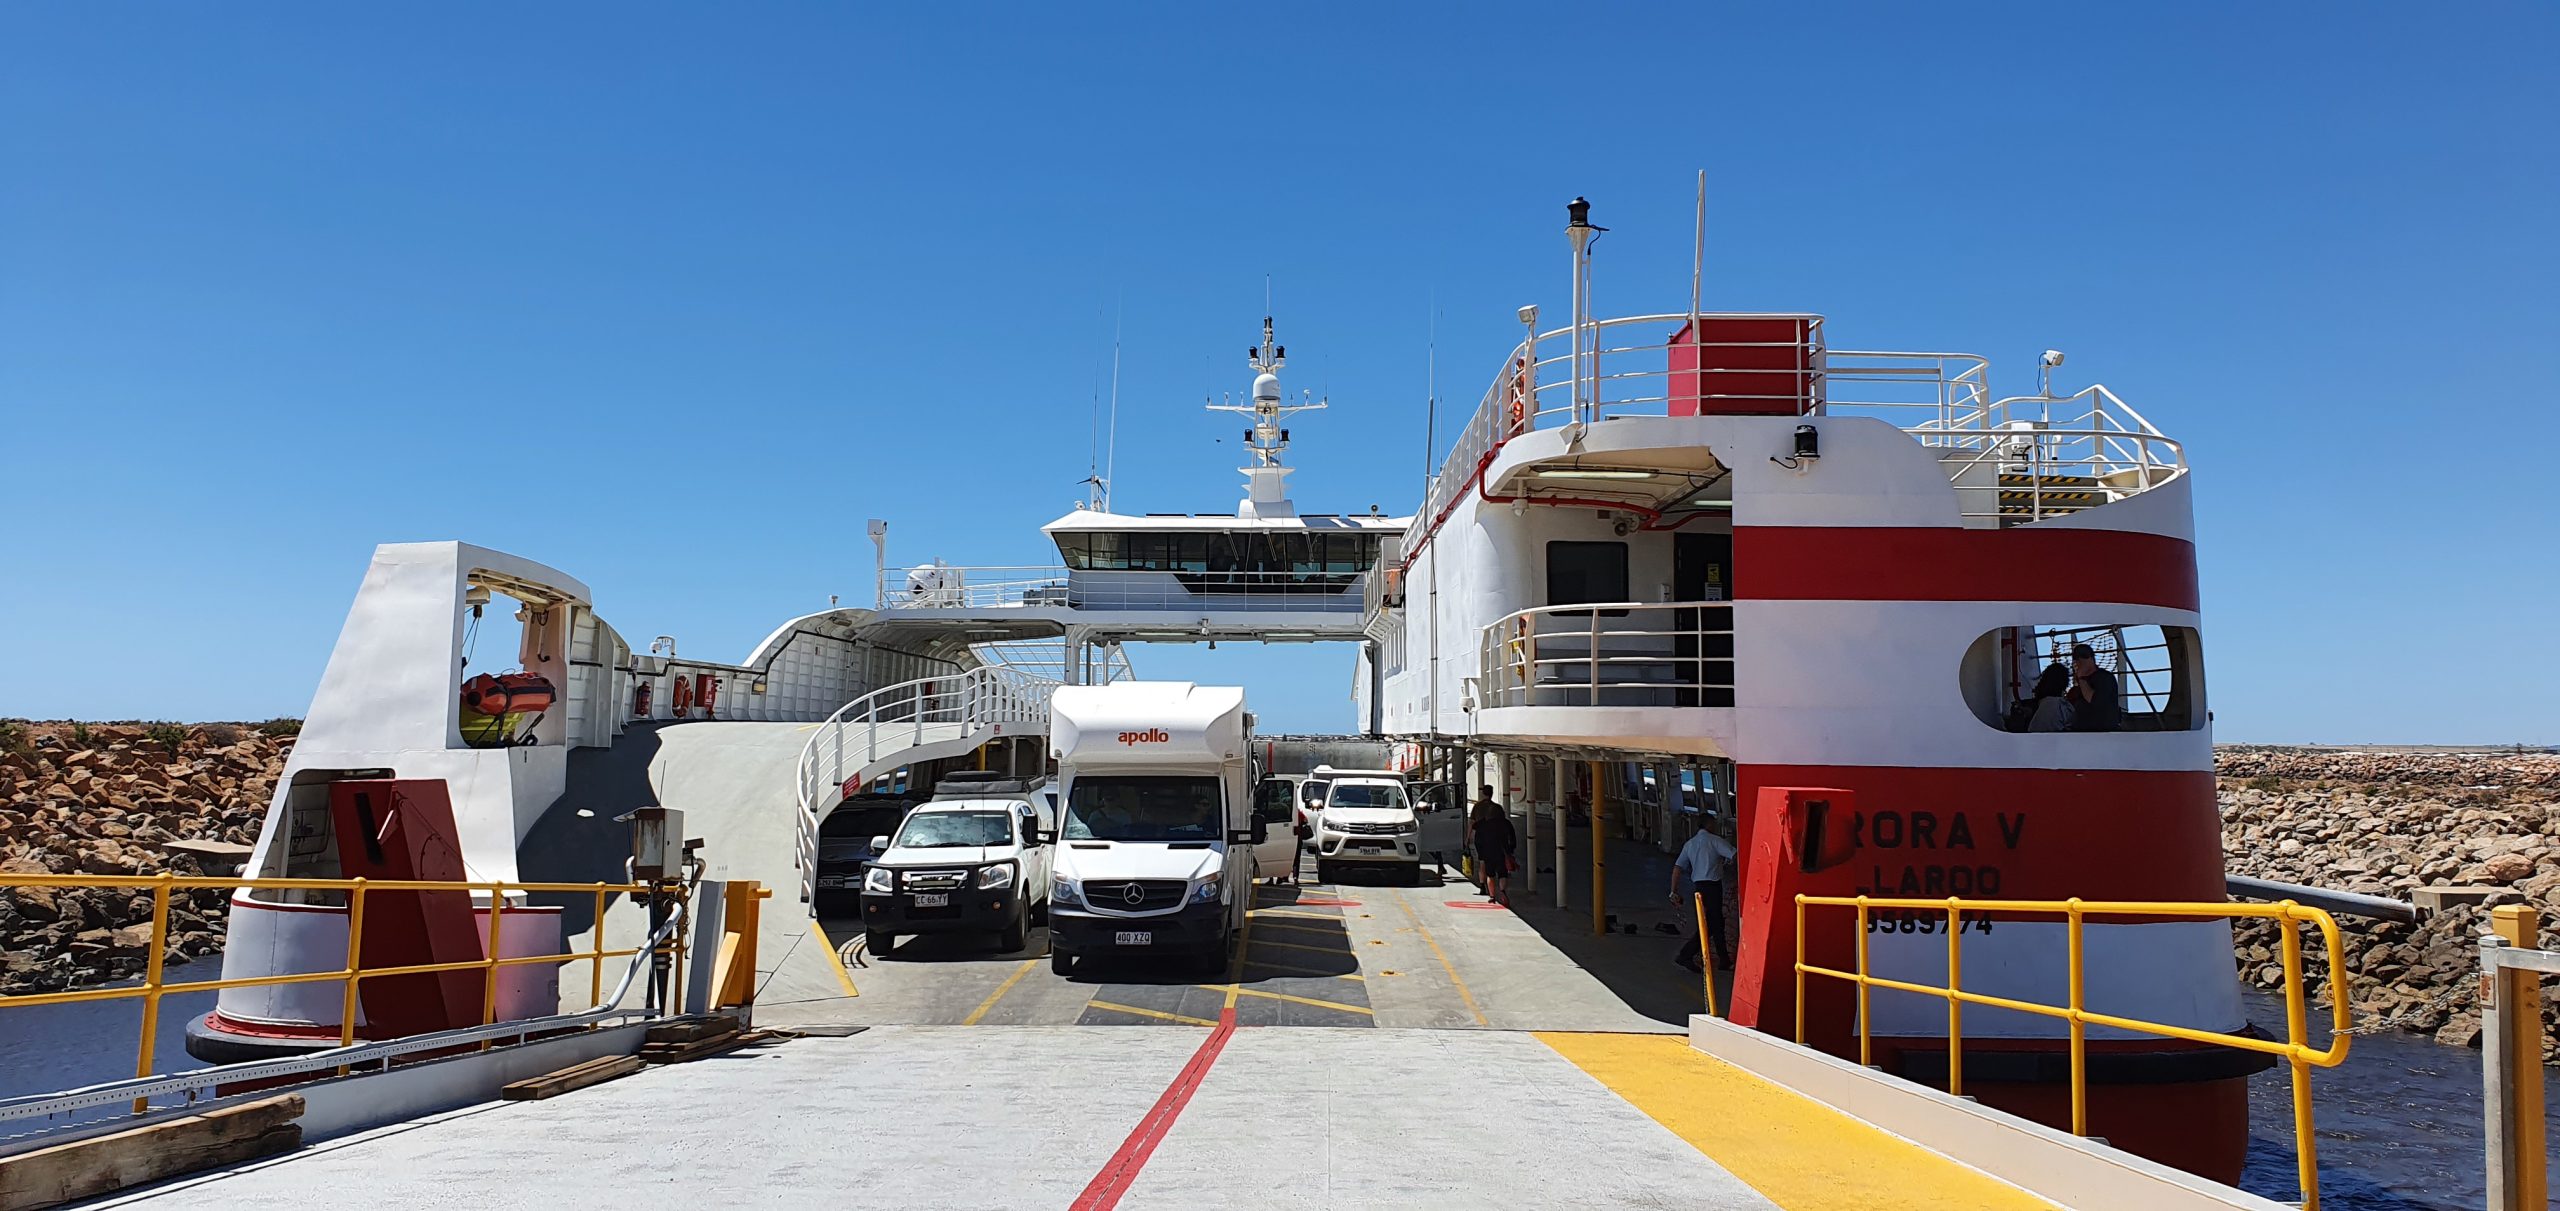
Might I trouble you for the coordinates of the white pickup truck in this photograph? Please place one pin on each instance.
(973, 859)
(1367, 818)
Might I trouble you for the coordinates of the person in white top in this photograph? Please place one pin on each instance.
(1699, 871)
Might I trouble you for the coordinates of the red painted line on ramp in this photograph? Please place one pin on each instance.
(1119, 1172)
(1312, 904)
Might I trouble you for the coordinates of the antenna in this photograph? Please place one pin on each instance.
(1698, 267)
(1111, 451)
(1093, 438)
(1431, 388)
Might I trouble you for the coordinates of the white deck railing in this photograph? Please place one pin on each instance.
(1625, 653)
(1184, 588)
(869, 735)
(1941, 399)
(946, 586)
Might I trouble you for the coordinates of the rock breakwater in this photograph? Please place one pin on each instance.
(112, 799)
(2386, 823)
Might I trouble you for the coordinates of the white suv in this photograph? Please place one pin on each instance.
(1366, 818)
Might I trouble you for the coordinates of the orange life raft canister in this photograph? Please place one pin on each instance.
(510, 693)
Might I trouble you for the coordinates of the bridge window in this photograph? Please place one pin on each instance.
(2135, 677)
(1251, 553)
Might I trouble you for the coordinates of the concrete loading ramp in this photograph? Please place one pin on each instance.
(736, 785)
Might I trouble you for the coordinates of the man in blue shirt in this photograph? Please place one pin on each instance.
(1699, 871)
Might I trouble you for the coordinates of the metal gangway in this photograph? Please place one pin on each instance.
(927, 719)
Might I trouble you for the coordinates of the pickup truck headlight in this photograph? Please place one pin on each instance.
(998, 875)
(1207, 891)
(1410, 826)
(880, 879)
(1063, 894)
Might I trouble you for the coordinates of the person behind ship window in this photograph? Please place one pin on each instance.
(1495, 841)
(1699, 871)
(2047, 708)
(2094, 706)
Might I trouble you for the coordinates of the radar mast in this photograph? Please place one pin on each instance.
(1266, 487)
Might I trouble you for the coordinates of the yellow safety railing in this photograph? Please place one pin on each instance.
(152, 989)
(2295, 1051)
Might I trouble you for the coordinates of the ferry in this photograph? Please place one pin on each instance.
(1675, 567)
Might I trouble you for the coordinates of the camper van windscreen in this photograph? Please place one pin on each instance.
(1143, 808)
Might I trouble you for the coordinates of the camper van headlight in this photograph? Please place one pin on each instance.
(880, 879)
(998, 875)
(1062, 892)
(1207, 891)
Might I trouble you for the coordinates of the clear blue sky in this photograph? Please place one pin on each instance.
(673, 297)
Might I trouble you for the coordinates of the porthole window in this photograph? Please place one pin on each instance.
(2087, 677)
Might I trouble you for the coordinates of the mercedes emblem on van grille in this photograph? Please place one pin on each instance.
(1134, 894)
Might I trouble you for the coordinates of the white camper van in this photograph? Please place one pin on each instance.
(1158, 839)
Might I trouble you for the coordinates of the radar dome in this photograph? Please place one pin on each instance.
(1266, 386)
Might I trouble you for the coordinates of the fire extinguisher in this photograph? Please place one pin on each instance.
(640, 701)
(706, 690)
(680, 703)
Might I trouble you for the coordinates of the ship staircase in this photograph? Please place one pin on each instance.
(909, 724)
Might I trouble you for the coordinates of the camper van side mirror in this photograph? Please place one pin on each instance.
(1249, 836)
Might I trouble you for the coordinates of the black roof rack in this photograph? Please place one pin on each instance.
(971, 783)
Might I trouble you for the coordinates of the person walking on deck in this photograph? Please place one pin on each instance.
(1495, 840)
(1699, 872)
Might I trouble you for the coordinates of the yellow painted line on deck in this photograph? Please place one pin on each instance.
(1305, 971)
(1339, 952)
(1299, 916)
(834, 959)
(1185, 1019)
(1797, 1151)
(1308, 929)
(1282, 996)
(1445, 964)
(998, 994)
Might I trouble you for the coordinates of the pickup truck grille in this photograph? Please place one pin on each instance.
(932, 880)
(1369, 830)
(1133, 895)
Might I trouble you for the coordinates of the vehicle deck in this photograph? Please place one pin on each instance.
(1451, 1054)
(1064, 1116)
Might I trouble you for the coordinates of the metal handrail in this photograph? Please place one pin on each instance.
(970, 586)
(977, 700)
(2294, 1050)
(1941, 398)
(152, 989)
(1514, 661)
(1166, 588)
